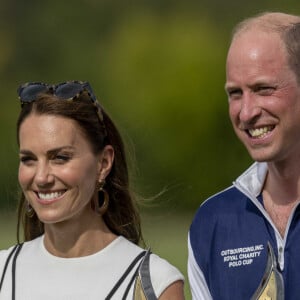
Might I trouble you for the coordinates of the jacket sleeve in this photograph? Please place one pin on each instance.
(197, 281)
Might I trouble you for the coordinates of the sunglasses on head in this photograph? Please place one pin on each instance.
(69, 90)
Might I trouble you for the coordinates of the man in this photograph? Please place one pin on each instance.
(229, 237)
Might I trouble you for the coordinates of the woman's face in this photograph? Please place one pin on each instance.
(58, 170)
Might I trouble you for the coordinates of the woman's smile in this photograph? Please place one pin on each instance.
(58, 170)
(50, 196)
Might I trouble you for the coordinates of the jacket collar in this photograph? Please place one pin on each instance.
(252, 180)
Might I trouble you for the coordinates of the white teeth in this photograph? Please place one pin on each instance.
(260, 132)
(49, 196)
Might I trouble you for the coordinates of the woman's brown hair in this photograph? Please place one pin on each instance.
(122, 216)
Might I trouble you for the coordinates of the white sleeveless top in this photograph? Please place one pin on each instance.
(40, 275)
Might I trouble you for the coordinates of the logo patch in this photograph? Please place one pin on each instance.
(238, 257)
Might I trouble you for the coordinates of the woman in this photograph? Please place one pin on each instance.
(81, 226)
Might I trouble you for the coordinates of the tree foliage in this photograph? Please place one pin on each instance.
(157, 68)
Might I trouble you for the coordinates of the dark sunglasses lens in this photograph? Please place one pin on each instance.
(68, 90)
(29, 93)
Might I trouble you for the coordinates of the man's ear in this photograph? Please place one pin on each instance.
(106, 159)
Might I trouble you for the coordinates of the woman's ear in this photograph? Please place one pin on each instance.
(106, 159)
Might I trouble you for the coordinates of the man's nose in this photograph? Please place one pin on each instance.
(249, 109)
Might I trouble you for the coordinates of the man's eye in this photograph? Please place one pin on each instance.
(234, 93)
(265, 90)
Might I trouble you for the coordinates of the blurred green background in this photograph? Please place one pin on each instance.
(157, 67)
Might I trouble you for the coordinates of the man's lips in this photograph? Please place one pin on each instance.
(260, 132)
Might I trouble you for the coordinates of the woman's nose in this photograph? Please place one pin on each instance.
(43, 175)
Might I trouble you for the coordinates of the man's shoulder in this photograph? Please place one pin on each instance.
(225, 199)
(220, 206)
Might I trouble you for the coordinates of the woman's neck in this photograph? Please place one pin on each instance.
(76, 238)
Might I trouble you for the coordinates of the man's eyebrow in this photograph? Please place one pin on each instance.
(230, 86)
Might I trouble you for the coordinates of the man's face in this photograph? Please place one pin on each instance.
(264, 96)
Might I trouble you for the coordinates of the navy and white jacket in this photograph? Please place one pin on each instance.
(228, 243)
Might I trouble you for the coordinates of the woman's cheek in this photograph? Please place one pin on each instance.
(24, 175)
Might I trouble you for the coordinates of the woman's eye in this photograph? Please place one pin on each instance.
(62, 158)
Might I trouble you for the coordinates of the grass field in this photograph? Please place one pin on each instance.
(165, 233)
